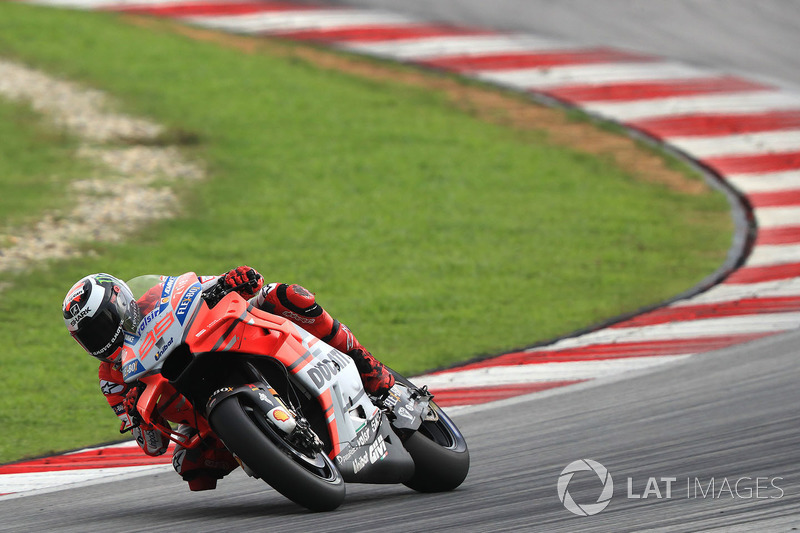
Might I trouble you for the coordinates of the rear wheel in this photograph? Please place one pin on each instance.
(439, 450)
(441, 457)
(306, 477)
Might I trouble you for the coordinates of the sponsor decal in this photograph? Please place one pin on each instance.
(363, 437)
(278, 414)
(294, 317)
(322, 370)
(391, 400)
(111, 342)
(132, 368)
(360, 463)
(186, 302)
(377, 450)
(109, 387)
(105, 278)
(342, 458)
(79, 315)
(156, 333)
(169, 284)
(75, 297)
(161, 351)
(147, 319)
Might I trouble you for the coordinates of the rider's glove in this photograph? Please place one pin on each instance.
(130, 418)
(247, 281)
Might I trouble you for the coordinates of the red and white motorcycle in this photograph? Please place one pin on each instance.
(291, 408)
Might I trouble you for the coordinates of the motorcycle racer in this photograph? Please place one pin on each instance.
(99, 308)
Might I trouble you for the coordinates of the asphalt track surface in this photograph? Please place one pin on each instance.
(757, 39)
(729, 415)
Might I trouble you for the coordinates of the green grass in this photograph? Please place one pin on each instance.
(35, 157)
(436, 237)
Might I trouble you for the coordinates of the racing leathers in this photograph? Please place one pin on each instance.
(201, 467)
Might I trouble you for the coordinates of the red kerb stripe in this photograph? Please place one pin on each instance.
(775, 199)
(651, 90)
(516, 60)
(755, 163)
(749, 306)
(765, 273)
(710, 125)
(96, 458)
(782, 235)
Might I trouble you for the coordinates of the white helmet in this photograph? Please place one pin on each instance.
(97, 310)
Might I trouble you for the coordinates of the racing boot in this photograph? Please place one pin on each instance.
(203, 466)
(376, 377)
(300, 306)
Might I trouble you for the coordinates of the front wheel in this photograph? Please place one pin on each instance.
(307, 478)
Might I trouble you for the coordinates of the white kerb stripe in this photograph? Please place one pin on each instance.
(744, 144)
(19, 484)
(767, 182)
(776, 217)
(284, 21)
(746, 102)
(728, 292)
(777, 254)
(434, 47)
(594, 74)
(543, 372)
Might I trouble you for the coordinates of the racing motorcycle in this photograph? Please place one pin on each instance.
(290, 408)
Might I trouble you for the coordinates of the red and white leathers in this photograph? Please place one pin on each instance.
(203, 466)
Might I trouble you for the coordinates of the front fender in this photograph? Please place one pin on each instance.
(258, 393)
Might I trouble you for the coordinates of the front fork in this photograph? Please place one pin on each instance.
(281, 417)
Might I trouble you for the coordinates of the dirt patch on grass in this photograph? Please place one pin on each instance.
(490, 104)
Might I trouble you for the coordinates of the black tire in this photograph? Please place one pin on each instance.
(315, 483)
(441, 457)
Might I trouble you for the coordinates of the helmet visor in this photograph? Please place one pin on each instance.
(101, 334)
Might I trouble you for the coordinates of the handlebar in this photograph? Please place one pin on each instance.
(216, 293)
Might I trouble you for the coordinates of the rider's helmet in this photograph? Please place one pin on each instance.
(97, 310)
